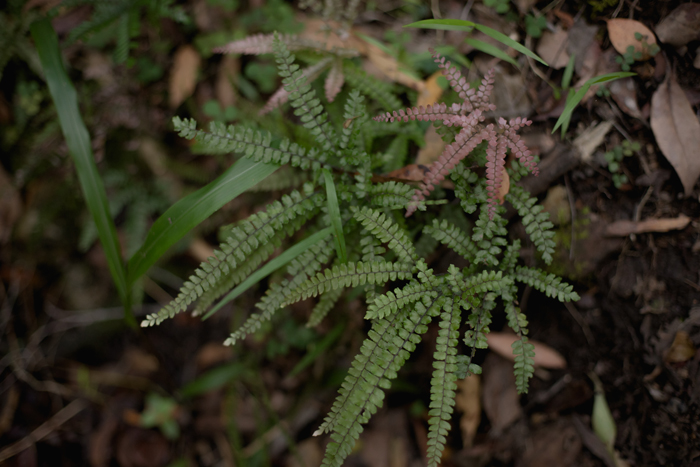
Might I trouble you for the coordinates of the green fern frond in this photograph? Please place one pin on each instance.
(390, 194)
(449, 234)
(324, 305)
(121, 52)
(245, 239)
(375, 89)
(524, 363)
(286, 177)
(535, 220)
(256, 145)
(303, 98)
(104, 12)
(550, 284)
(301, 267)
(443, 385)
(388, 303)
(386, 230)
(350, 275)
(489, 237)
(467, 183)
(383, 353)
(355, 117)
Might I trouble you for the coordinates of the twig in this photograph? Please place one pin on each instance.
(638, 210)
(45, 429)
(581, 322)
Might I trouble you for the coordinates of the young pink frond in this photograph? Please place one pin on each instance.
(428, 113)
(276, 100)
(483, 94)
(495, 166)
(454, 77)
(465, 142)
(262, 44)
(251, 45)
(334, 80)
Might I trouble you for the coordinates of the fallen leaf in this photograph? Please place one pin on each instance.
(545, 356)
(501, 399)
(624, 91)
(431, 91)
(681, 26)
(229, 67)
(583, 45)
(622, 31)
(504, 188)
(391, 69)
(682, 349)
(411, 172)
(677, 131)
(664, 224)
(183, 76)
(557, 443)
(468, 402)
(590, 139)
(552, 48)
(434, 145)
(556, 203)
(10, 206)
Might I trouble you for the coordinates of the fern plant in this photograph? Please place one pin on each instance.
(384, 253)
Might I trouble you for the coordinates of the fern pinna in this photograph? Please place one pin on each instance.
(385, 253)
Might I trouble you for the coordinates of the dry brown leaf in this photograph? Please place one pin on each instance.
(390, 68)
(677, 131)
(681, 26)
(434, 146)
(501, 399)
(682, 349)
(590, 139)
(624, 91)
(504, 188)
(622, 31)
(624, 228)
(468, 402)
(545, 356)
(431, 91)
(183, 76)
(552, 48)
(411, 172)
(229, 67)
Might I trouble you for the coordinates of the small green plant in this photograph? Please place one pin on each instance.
(534, 25)
(355, 240)
(614, 159)
(501, 6)
(631, 55)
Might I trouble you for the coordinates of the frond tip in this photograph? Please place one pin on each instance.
(468, 117)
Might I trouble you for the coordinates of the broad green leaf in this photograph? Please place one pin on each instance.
(78, 141)
(334, 213)
(318, 349)
(191, 210)
(271, 267)
(491, 50)
(573, 100)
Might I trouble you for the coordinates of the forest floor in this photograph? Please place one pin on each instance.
(81, 388)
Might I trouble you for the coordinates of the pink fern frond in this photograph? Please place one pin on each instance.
(334, 80)
(483, 94)
(429, 113)
(495, 166)
(262, 44)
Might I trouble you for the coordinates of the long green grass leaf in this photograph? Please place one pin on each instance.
(214, 379)
(271, 267)
(573, 99)
(191, 210)
(78, 141)
(491, 50)
(334, 213)
(467, 26)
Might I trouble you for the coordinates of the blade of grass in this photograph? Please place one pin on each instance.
(78, 141)
(491, 50)
(271, 267)
(334, 213)
(467, 26)
(213, 379)
(573, 100)
(191, 210)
